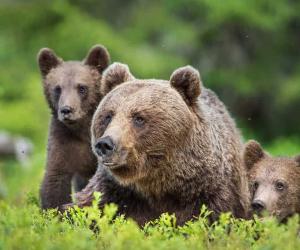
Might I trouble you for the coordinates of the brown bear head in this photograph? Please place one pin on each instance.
(72, 88)
(139, 123)
(274, 181)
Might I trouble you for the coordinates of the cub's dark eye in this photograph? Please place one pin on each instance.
(82, 89)
(57, 90)
(138, 120)
(255, 185)
(279, 185)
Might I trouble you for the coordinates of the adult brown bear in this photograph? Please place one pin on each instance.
(165, 146)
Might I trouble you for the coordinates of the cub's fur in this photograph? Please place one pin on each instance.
(72, 90)
(274, 182)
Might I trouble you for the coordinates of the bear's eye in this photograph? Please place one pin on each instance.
(82, 89)
(57, 90)
(279, 185)
(255, 185)
(138, 120)
(107, 119)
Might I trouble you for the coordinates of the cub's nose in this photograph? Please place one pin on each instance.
(105, 146)
(66, 110)
(258, 205)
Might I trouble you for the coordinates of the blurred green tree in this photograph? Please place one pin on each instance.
(247, 51)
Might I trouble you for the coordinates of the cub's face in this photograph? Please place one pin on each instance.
(72, 88)
(73, 91)
(274, 182)
(137, 125)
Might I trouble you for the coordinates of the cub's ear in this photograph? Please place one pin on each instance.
(253, 153)
(98, 57)
(114, 75)
(47, 60)
(187, 82)
(297, 158)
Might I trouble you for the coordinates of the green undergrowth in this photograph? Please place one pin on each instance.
(24, 226)
(27, 227)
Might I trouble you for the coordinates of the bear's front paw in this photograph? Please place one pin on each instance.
(65, 207)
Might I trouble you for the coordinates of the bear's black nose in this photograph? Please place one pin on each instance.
(105, 146)
(66, 110)
(258, 205)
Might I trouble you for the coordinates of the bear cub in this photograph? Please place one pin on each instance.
(274, 182)
(165, 146)
(72, 90)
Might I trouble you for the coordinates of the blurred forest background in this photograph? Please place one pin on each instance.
(248, 52)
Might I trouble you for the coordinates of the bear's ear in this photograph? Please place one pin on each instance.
(253, 153)
(98, 57)
(187, 82)
(297, 158)
(47, 60)
(114, 75)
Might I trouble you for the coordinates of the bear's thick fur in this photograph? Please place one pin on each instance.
(165, 146)
(274, 182)
(72, 90)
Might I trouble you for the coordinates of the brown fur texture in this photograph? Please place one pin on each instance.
(164, 147)
(274, 182)
(72, 90)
